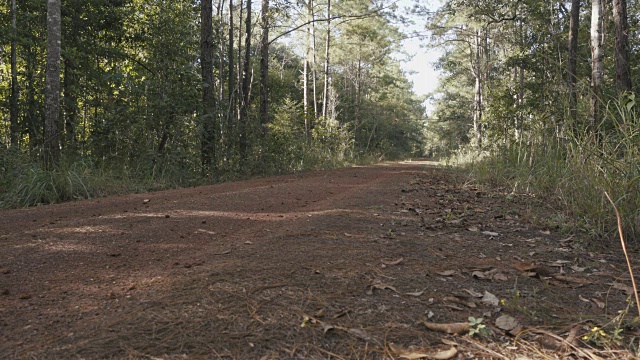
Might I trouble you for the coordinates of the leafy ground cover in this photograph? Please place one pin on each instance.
(391, 261)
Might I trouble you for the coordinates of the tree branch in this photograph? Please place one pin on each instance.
(336, 17)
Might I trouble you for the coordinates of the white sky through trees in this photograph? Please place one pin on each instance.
(420, 69)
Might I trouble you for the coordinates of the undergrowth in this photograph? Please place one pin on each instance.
(572, 174)
(24, 182)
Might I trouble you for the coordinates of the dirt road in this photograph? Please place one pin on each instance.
(329, 264)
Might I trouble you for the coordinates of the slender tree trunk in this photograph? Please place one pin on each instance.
(306, 74)
(33, 124)
(264, 65)
(208, 155)
(246, 79)
(70, 102)
(221, 53)
(230, 55)
(313, 60)
(477, 104)
(14, 127)
(325, 91)
(597, 55)
(572, 65)
(623, 69)
(52, 81)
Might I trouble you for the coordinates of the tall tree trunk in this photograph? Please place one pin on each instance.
(325, 91)
(306, 73)
(52, 81)
(314, 74)
(264, 65)
(14, 127)
(623, 69)
(70, 103)
(477, 103)
(33, 124)
(208, 155)
(246, 79)
(597, 55)
(572, 65)
(231, 81)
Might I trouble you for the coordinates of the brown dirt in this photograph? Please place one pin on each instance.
(294, 267)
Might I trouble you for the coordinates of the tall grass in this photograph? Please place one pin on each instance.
(574, 174)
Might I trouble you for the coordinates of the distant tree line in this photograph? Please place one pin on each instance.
(202, 89)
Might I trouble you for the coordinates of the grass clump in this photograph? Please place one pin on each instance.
(572, 174)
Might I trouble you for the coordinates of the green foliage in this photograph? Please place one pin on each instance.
(575, 175)
(132, 110)
(477, 327)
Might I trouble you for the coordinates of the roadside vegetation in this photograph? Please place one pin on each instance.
(161, 94)
(528, 103)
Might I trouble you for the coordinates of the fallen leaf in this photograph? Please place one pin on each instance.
(341, 313)
(377, 284)
(501, 277)
(360, 334)
(491, 233)
(627, 289)
(416, 294)
(577, 268)
(599, 303)
(473, 293)
(446, 354)
(405, 353)
(394, 262)
(583, 299)
(506, 322)
(446, 272)
(478, 274)
(523, 266)
(248, 242)
(574, 280)
(460, 300)
(326, 327)
(489, 298)
(449, 342)
(223, 253)
(449, 328)
(145, 201)
(205, 231)
(473, 229)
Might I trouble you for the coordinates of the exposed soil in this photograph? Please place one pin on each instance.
(345, 263)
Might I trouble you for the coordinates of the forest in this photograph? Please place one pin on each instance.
(112, 96)
(108, 96)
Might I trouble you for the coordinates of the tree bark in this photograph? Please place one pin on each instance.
(314, 74)
(572, 64)
(14, 127)
(208, 154)
(246, 79)
(264, 65)
(477, 103)
(70, 103)
(306, 74)
(597, 66)
(325, 91)
(623, 69)
(231, 85)
(52, 85)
